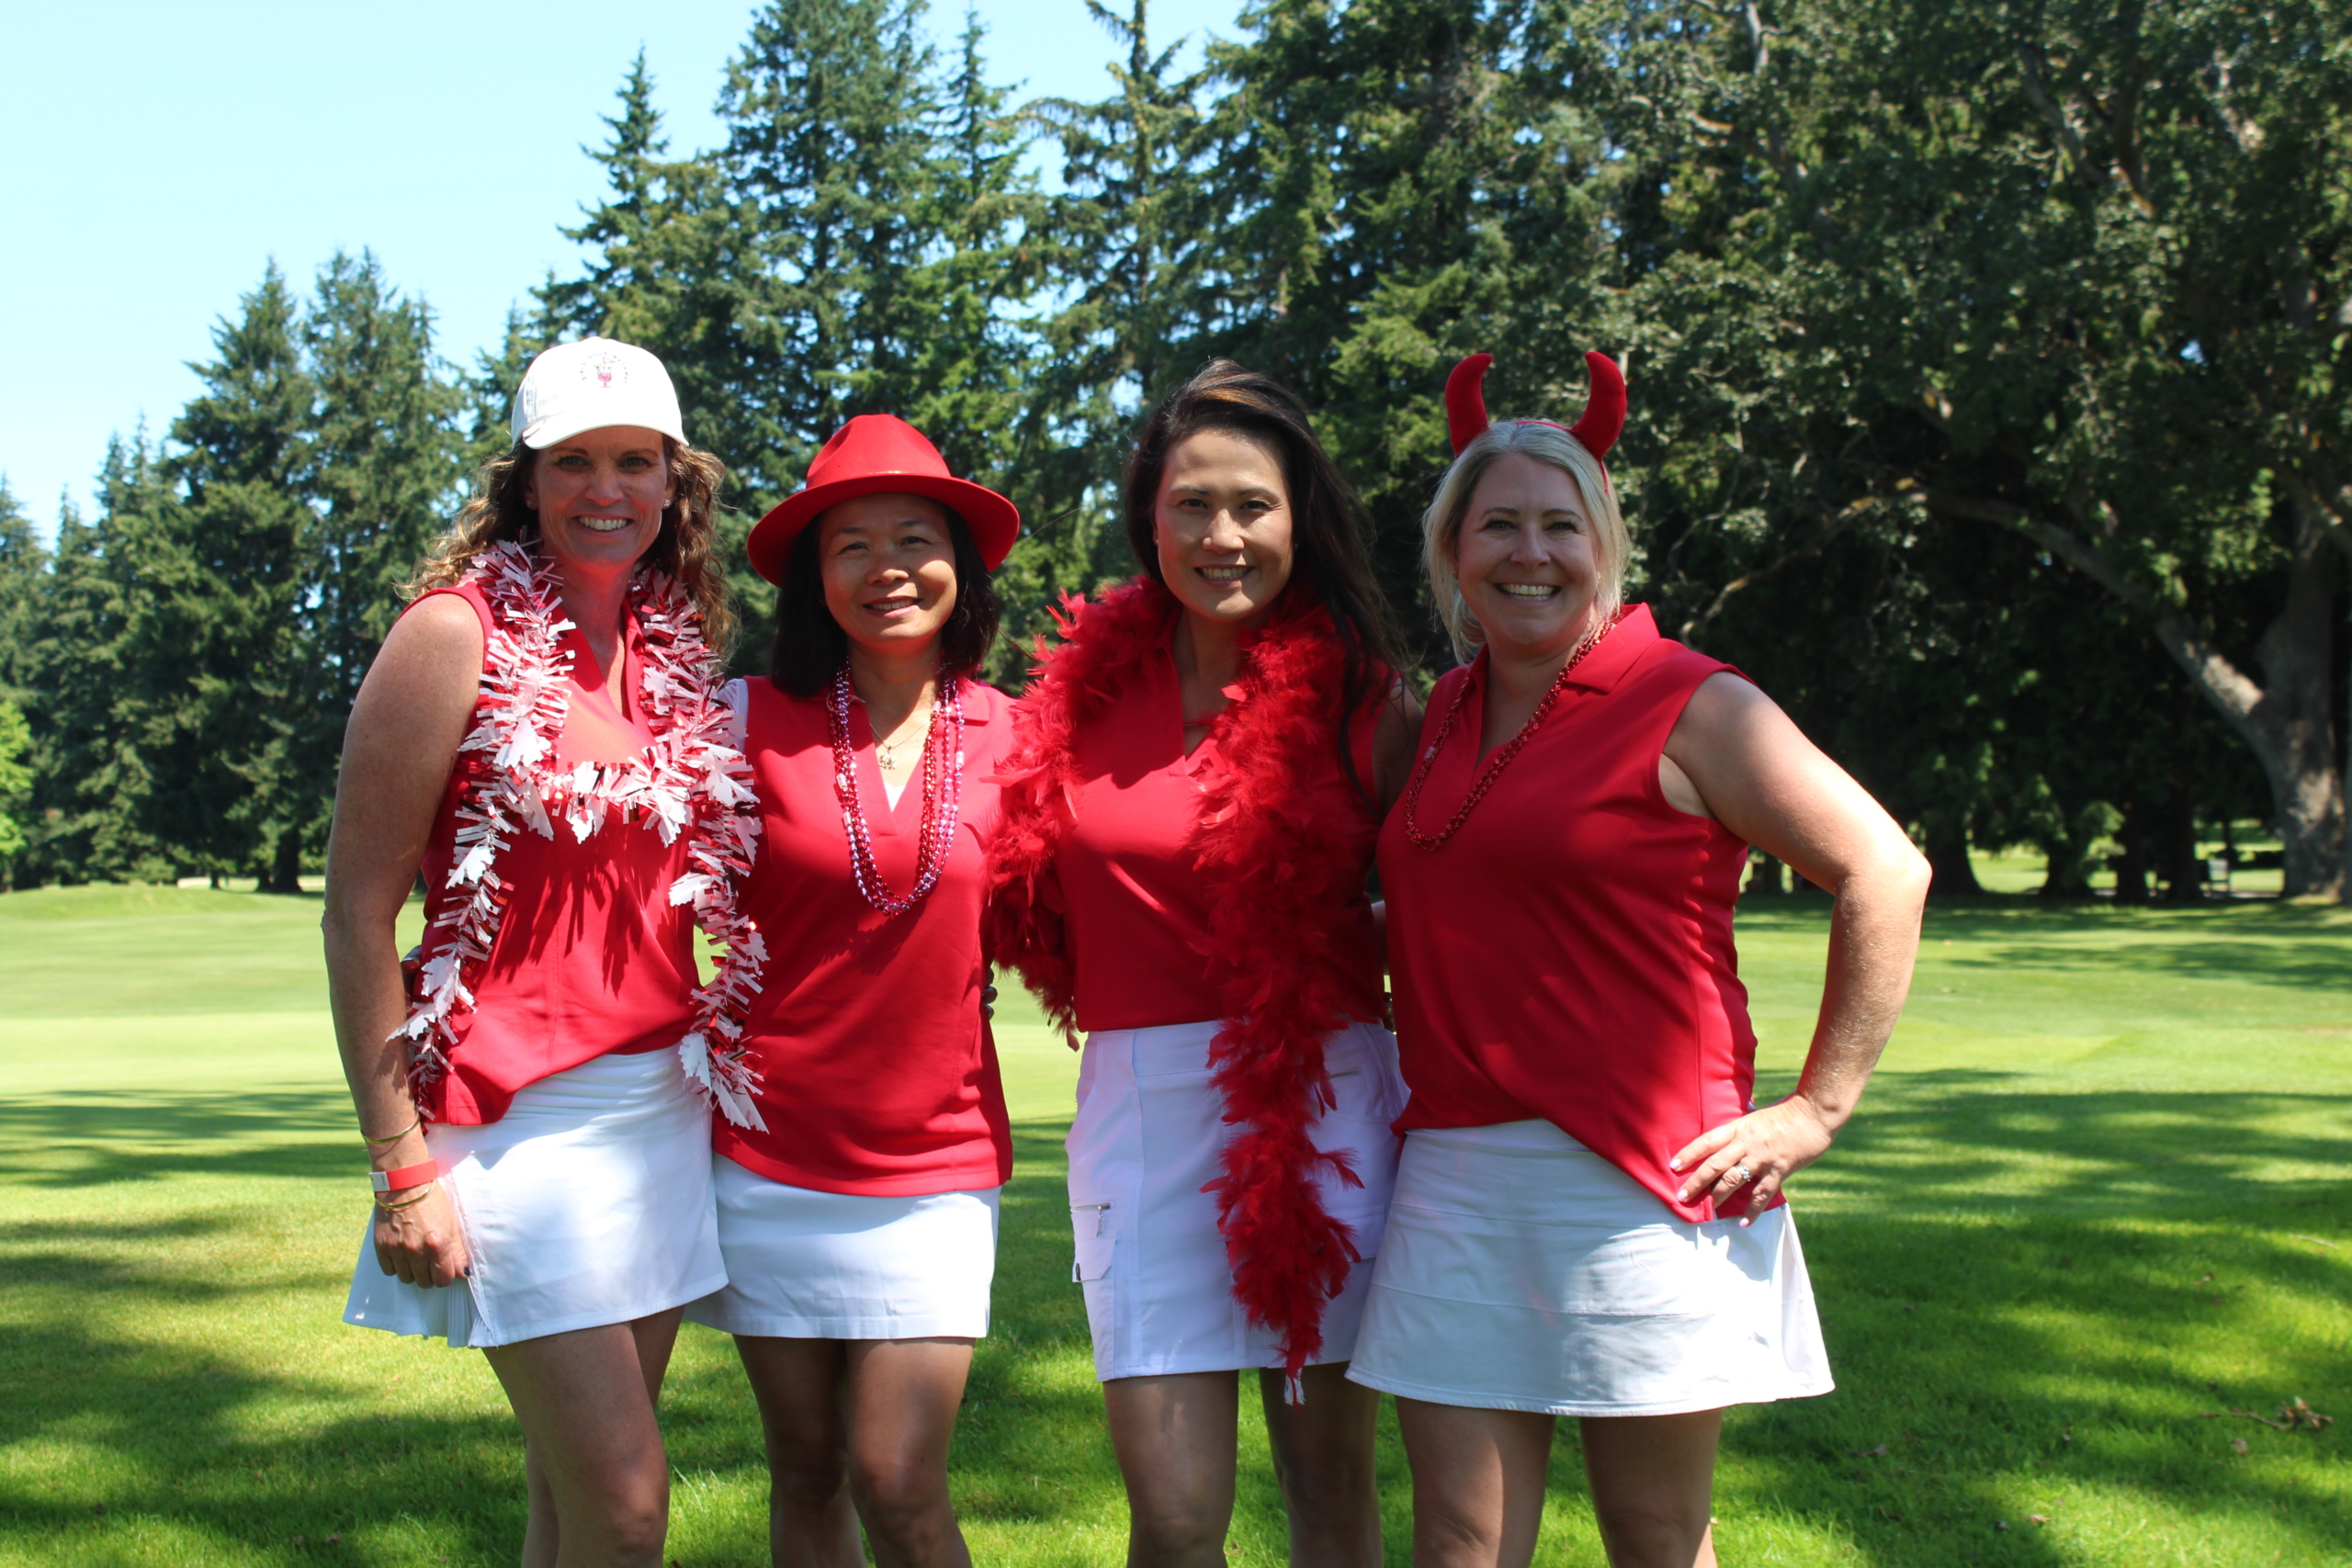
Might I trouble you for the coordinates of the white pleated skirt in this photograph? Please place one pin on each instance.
(588, 1202)
(1149, 1131)
(803, 1264)
(1522, 1271)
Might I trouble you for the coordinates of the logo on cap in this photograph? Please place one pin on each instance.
(607, 367)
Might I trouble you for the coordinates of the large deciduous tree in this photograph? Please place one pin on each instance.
(2080, 271)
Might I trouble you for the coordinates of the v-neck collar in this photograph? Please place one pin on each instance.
(870, 787)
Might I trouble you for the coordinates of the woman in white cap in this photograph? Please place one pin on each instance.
(1590, 1217)
(541, 738)
(857, 1190)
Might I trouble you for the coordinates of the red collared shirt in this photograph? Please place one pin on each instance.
(879, 1073)
(1136, 899)
(1567, 954)
(592, 958)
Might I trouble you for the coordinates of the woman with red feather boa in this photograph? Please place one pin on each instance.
(1188, 824)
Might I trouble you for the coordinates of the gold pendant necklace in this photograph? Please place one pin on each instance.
(884, 750)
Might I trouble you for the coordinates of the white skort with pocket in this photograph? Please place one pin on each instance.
(1522, 1271)
(803, 1264)
(588, 1202)
(1149, 1131)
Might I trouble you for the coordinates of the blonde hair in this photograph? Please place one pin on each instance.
(1441, 523)
(497, 512)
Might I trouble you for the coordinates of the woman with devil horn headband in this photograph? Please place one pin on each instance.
(1590, 1217)
(1189, 825)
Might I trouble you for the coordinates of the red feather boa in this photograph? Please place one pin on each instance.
(1289, 840)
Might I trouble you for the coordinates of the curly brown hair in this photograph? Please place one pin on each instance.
(496, 512)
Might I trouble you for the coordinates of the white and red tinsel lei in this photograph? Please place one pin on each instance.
(689, 780)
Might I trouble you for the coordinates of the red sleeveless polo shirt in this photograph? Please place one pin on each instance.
(1127, 879)
(591, 958)
(878, 1073)
(1567, 954)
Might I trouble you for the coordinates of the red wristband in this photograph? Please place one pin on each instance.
(407, 1176)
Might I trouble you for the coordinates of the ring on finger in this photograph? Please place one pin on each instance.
(1739, 1175)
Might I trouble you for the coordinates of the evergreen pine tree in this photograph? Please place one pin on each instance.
(90, 700)
(832, 109)
(486, 393)
(15, 788)
(24, 565)
(1406, 178)
(663, 245)
(384, 457)
(215, 633)
(1129, 239)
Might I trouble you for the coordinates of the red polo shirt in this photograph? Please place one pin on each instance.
(1567, 954)
(879, 1074)
(592, 958)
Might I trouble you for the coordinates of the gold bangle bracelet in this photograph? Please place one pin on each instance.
(407, 1202)
(396, 1137)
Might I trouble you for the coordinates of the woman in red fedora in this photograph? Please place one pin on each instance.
(857, 1195)
(541, 736)
(1589, 1218)
(1181, 875)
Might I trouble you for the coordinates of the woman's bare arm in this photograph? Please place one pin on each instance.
(1735, 756)
(398, 752)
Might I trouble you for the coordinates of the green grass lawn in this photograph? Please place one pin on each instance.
(2099, 1189)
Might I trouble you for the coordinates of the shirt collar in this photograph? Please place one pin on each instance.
(1611, 658)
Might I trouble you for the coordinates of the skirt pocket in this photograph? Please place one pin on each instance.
(1091, 1232)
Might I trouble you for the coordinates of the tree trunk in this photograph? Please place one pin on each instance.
(2288, 721)
(1765, 878)
(1950, 873)
(285, 874)
(2131, 865)
(2180, 845)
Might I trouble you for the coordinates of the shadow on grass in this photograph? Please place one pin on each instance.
(2278, 944)
(2025, 1293)
(1997, 1338)
(89, 1137)
(163, 1438)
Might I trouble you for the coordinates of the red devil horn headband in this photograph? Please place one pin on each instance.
(1604, 407)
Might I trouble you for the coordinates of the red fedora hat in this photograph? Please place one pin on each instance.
(880, 454)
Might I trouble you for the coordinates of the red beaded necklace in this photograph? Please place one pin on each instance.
(942, 792)
(1501, 756)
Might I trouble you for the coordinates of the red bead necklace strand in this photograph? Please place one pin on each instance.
(942, 794)
(1499, 760)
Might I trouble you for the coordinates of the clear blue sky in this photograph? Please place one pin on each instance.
(154, 157)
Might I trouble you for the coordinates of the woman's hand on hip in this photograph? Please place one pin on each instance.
(1756, 1154)
(420, 1243)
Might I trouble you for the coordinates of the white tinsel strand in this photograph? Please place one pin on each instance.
(519, 717)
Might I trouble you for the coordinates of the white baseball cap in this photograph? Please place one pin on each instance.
(588, 385)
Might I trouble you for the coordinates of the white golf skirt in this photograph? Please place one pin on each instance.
(807, 1265)
(1522, 1271)
(1150, 1130)
(588, 1202)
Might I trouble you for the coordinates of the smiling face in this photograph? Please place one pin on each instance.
(1524, 559)
(889, 567)
(600, 496)
(1222, 525)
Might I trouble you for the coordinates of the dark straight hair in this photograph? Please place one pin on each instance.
(1330, 557)
(810, 646)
